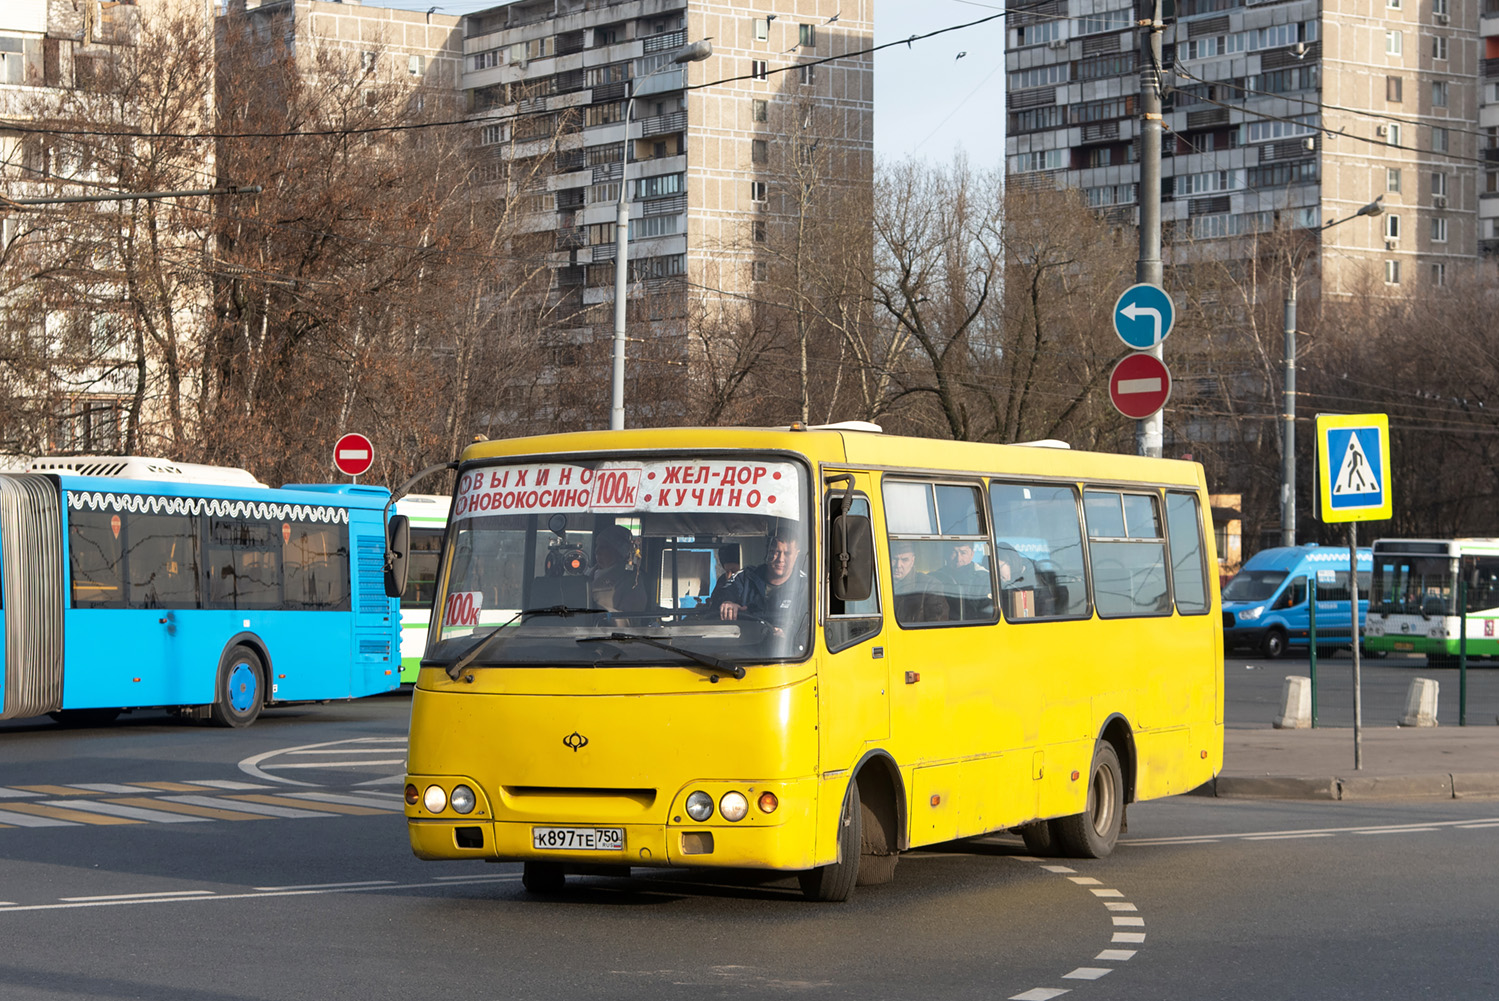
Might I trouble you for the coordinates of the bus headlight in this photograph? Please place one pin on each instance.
(434, 799)
(699, 806)
(733, 806)
(463, 800)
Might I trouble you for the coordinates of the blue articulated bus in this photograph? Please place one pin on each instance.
(1266, 607)
(150, 584)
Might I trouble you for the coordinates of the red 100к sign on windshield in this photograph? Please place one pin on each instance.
(767, 488)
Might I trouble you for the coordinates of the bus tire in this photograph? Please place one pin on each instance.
(834, 883)
(1273, 645)
(1039, 838)
(240, 693)
(543, 878)
(1094, 832)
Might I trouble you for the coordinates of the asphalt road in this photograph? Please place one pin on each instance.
(156, 859)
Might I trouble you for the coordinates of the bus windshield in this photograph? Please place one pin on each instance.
(1253, 585)
(617, 563)
(1412, 585)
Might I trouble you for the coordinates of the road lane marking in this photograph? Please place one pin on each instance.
(260, 766)
(329, 886)
(1112, 907)
(1128, 937)
(134, 812)
(177, 786)
(235, 804)
(1088, 973)
(1116, 955)
(60, 813)
(175, 897)
(1199, 839)
(283, 801)
(209, 813)
(1041, 994)
(150, 895)
(1124, 922)
(387, 804)
(342, 764)
(24, 820)
(55, 790)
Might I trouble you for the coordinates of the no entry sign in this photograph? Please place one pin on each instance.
(1139, 385)
(353, 455)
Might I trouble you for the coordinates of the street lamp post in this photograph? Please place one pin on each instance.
(694, 53)
(1288, 394)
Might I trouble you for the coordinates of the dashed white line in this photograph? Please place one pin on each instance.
(328, 886)
(1114, 907)
(1088, 973)
(152, 895)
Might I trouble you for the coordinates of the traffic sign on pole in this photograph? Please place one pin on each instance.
(1353, 467)
(1139, 385)
(353, 455)
(1143, 316)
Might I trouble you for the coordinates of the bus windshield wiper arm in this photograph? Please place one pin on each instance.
(458, 666)
(732, 670)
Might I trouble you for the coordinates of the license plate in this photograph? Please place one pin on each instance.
(1405, 647)
(579, 839)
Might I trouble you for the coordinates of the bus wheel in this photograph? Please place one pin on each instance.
(1274, 644)
(1094, 832)
(241, 690)
(1039, 838)
(833, 883)
(542, 878)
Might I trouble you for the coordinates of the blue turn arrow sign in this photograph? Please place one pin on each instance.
(1143, 316)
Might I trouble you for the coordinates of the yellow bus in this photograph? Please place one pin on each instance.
(807, 650)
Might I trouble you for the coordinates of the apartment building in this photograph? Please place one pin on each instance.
(1277, 114)
(70, 375)
(1488, 125)
(589, 90)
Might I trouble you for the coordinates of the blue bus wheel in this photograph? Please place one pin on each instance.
(240, 694)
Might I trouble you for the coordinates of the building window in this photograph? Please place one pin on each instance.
(759, 270)
(416, 65)
(1392, 180)
(1392, 272)
(762, 29)
(759, 110)
(759, 69)
(759, 151)
(1439, 47)
(659, 186)
(1439, 184)
(806, 34)
(1439, 229)
(757, 191)
(1391, 226)
(1439, 93)
(759, 230)
(1393, 86)
(1439, 7)
(1392, 4)
(1491, 181)
(1393, 43)
(489, 135)
(1393, 132)
(1440, 140)
(1439, 274)
(653, 225)
(807, 72)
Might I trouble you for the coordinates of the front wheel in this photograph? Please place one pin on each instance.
(1274, 644)
(240, 694)
(1094, 832)
(833, 883)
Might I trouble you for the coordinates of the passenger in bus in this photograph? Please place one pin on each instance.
(970, 594)
(614, 586)
(774, 592)
(728, 558)
(915, 600)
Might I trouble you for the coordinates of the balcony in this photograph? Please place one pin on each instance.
(669, 42)
(661, 125)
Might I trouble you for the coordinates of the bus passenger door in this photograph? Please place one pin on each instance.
(853, 704)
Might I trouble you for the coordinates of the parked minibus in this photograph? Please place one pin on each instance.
(1265, 606)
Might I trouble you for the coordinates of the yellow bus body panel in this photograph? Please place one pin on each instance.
(987, 726)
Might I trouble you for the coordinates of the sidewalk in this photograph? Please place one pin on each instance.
(1398, 763)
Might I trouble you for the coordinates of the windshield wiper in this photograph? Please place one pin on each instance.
(457, 667)
(704, 660)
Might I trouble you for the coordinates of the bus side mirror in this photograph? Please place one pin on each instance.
(397, 549)
(851, 557)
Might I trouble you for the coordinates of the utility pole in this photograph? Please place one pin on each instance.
(1149, 432)
(1288, 419)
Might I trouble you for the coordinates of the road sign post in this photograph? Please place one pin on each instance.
(353, 455)
(1139, 385)
(1353, 485)
(1143, 316)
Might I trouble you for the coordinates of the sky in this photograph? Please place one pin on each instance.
(929, 103)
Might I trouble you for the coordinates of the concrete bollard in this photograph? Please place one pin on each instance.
(1296, 704)
(1421, 703)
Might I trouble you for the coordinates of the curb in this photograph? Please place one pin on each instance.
(1434, 785)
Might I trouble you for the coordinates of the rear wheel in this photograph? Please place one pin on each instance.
(240, 694)
(1039, 838)
(1274, 644)
(1094, 832)
(834, 883)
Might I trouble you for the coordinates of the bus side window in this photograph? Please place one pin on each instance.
(1184, 532)
(1040, 523)
(1128, 553)
(1294, 594)
(849, 622)
(96, 559)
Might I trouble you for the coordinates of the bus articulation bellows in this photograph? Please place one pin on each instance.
(133, 583)
(807, 650)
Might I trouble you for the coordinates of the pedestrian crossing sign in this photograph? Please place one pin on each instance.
(1353, 467)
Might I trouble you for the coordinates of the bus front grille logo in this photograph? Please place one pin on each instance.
(576, 741)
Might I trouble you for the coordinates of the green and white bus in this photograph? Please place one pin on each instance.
(429, 522)
(1413, 604)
